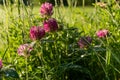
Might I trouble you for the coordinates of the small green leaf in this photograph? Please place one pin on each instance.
(11, 73)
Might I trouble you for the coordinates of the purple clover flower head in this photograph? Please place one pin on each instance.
(50, 25)
(1, 64)
(84, 41)
(102, 33)
(36, 33)
(46, 9)
(24, 50)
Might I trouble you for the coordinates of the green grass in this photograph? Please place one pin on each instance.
(71, 16)
(58, 55)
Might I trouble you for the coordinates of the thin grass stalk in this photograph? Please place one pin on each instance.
(116, 58)
(26, 13)
(108, 53)
(76, 1)
(115, 76)
(110, 64)
(58, 12)
(70, 7)
(104, 68)
(31, 6)
(96, 1)
(62, 3)
(26, 68)
(5, 52)
(56, 3)
(83, 3)
(23, 14)
(6, 25)
(18, 4)
(66, 45)
(69, 3)
(42, 61)
(56, 50)
(108, 56)
(23, 20)
(56, 7)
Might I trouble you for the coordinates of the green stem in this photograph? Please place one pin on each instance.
(42, 61)
(106, 73)
(108, 54)
(26, 69)
(57, 55)
(5, 53)
(83, 3)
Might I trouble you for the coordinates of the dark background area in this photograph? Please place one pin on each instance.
(64, 2)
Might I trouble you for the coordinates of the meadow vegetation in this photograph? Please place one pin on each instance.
(49, 42)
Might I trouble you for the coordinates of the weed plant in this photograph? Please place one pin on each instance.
(84, 46)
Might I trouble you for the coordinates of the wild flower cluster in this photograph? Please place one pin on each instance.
(38, 32)
(86, 41)
(50, 25)
(61, 43)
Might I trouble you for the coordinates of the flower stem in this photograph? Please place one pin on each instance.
(26, 69)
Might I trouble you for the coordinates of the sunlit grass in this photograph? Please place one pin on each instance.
(69, 15)
(61, 49)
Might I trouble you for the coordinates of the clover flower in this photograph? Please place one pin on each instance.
(102, 33)
(46, 9)
(36, 33)
(24, 50)
(50, 25)
(84, 41)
